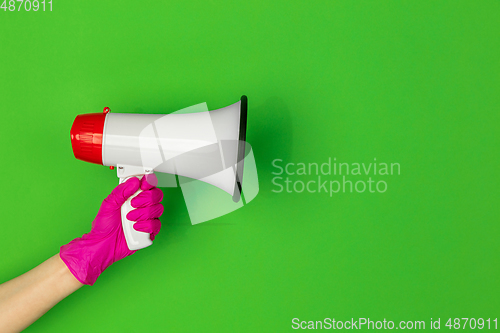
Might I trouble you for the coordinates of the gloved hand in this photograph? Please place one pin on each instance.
(87, 257)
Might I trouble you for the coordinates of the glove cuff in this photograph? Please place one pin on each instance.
(85, 258)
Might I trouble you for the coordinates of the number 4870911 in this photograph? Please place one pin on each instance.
(26, 5)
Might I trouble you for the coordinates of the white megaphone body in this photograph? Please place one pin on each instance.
(207, 146)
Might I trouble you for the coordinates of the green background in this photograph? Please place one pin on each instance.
(412, 82)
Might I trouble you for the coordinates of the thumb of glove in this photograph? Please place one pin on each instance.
(123, 191)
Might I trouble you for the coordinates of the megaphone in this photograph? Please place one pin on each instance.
(207, 146)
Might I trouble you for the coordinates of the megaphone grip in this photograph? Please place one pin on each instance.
(136, 240)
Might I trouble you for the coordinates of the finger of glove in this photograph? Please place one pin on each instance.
(145, 213)
(147, 198)
(152, 227)
(148, 181)
(122, 192)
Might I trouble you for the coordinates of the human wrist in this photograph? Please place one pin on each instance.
(86, 266)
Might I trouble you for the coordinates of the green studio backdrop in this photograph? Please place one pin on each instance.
(408, 82)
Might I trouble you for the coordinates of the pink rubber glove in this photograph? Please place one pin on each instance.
(87, 257)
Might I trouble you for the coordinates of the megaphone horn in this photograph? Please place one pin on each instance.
(208, 146)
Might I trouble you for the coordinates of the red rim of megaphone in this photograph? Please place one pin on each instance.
(86, 137)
